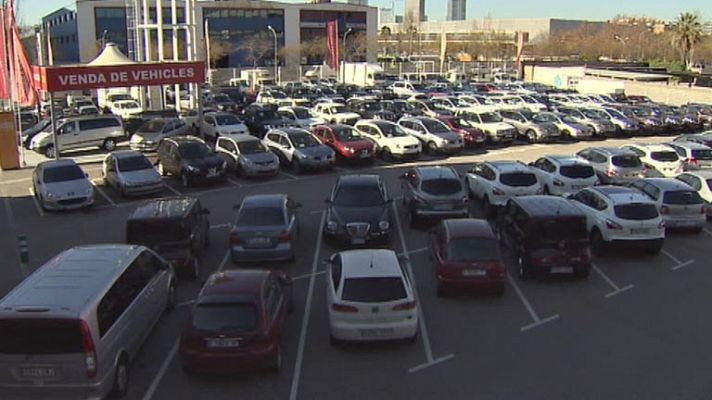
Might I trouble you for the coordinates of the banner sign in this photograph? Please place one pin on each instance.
(332, 44)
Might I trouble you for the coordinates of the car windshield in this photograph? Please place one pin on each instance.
(346, 134)
(222, 98)
(666, 156)
(636, 211)
(518, 179)
(544, 118)
(251, 147)
(642, 112)
(225, 317)
(460, 123)
(434, 126)
(682, 197)
(190, 151)
(226, 119)
(134, 163)
(129, 104)
(441, 186)
(153, 126)
(260, 216)
(563, 229)
(301, 113)
(490, 118)
(472, 249)
(303, 139)
(595, 114)
(577, 171)
(63, 173)
(616, 114)
(702, 154)
(373, 290)
(338, 109)
(359, 196)
(392, 130)
(626, 161)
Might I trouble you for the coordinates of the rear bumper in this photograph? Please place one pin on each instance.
(349, 331)
(143, 190)
(227, 363)
(27, 391)
(484, 284)
(280, 253)
(699, 221)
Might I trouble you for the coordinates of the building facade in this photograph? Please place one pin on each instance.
(456, 10)
(414, 11)
(59, 37)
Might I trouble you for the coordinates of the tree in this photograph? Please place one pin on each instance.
(688, 32)
(256, 47)
(220, 49)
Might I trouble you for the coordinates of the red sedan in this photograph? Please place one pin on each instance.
(346, 143)
(236, 323)
(471, 135)
(466, 255)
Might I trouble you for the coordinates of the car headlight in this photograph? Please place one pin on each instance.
(50, 195)
(350, 150)
(88, 191)
(384, 225)
(443, 142)
(136, 139)
(331, 226)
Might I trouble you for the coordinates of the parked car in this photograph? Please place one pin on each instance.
(624, 125)
(369, 304)
(126, 108)
(613, 166)
(247, 156)
(359, 211)
(494, 182)
(29, 133)
(472, 136)
(467, 256)
(599, 124)
(491, 123)
(150, 134)
(527, 127)
(236, 323)
(335, 113)
(223, 102)
(701, 181)
(433, 193)
(220, 124)
(265, 229)
(560, 175)
(545, 234)
(102, 131)
(371, 109)
(620, 216)
(680, 206)
(401, 108)
(131, 173)
(434, 135)
(177, 228)
(390, 139)
(568, 126)
(694, 155)
(299, 149)
(658, 159)
(61, 185)
(260, 118)
(191, 160)
(348, 144)
(703, 138)
(300, 116)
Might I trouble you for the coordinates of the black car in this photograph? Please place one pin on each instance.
(359, 211)
(370, 109)
(176, 228)
(401, 108)
(546, 234)
(261, 118)
(223, 102)
(190, 159)
(29, 133)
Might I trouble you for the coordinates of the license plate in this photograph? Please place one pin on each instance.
(358, 241)
(222, 343)
(372, 333)
(474, 272)
(442, 207)
(38, 372)
(639, 231)
(259, 241)
(562, 270)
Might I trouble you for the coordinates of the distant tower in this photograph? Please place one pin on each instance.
(416, 8)
(456, 10)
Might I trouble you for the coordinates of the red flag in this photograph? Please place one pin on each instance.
(332, 44)
(23, 90)
(520, 48)
(4, 92)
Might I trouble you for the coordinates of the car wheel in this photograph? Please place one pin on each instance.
(171, 301)
(524, 270)
(121, 378)
(531, 136)
(597, 242)
(386, 154)
(432, 147)
(185, 180)
(296, 166)
(49, 151)
(109, 144)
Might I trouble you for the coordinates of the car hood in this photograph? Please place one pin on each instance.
(316, 151)
(212, 161)
(68, 188)
(263, 157)
(230, 128)
(146, 136)
(359, 144)
(141, 176)
(347, 115)
(343, 215)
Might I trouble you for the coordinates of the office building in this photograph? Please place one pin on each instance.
(456, 10)
(414, 11)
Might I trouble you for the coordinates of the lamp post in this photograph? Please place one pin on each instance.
(343, 63)
(269, 27)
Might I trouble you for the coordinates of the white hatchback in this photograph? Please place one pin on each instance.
(658, 159)
(495, 182)
(370, 297)
(563, 174)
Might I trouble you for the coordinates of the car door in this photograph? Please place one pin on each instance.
(110, 172)
(68, 136)
(286, 147)
(474, 180)
(226, 148)
(587, 202)
(208, 126)
(174, 166)
(156, 275)
(275, 307)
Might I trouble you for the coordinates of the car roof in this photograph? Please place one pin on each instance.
(436, 172)
(468, 227)
(369, 263)
(166, 208)
(547, 206)
(667, 183)
(57, 163)
(264, 200)
(652, 147)
(613, 151)
(238, 285)
(126, 154)
(689, 145)
(702, 173)
(507, 166)
(620, 194)
(359, 180)
(566, 160)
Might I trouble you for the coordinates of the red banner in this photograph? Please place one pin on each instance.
(4, 92)
(58, 79)
(23, 90)
(332, 44)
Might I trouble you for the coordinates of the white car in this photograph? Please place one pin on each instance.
(560, 175)
(335, 113)
(403, 89)
(434, 135)
(495, 182)
(620, 215)
(126, 108)
(569, 127)
(701, 181)
(300, 116)
(61, 185)
(270, 96)
(222, 124)
(492, 124)
(658, 159)
(476, 103)
(681, 206)
(370, 297)
(131, 173)
(694, 155)
(390, 139)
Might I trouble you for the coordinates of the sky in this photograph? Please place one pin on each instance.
(31, 11)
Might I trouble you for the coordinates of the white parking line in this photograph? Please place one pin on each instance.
(103, 194)
(11, 181)
(305, 320)
(172, 189)
(36, 202)
(300, 277)
(162, 371)
(707, 231)
(290, 176)
(429, 360)
(616, 289)
(537, 321)
(234, 182)
(679, 264)
(224, 261)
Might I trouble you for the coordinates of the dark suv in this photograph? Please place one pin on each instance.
(546, 234)
(190, 159)
(260, 118)
(176, 228)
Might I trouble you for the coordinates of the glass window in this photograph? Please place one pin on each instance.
(441, 186)
(563, 229)
(627, 161)
(577, 171)
(136, 163)
(682, 197)
(636, 211)
(336, 272)
(40, 336)
(62, 173)
(189, 151)
(260, 216)
(665, 156)
(225, 317)
(120, 296)
(374, 290)
(516, 179)
(358, 196)
(251, 147)
(472, 249)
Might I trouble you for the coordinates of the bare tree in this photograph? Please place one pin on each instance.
(256, 47)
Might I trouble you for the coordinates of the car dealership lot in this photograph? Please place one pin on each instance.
(630, 330)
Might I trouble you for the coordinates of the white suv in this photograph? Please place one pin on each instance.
(492, 124)
(433, 134)
(658, 159)
(620, 215)
(370, 297)
(495, 182)
(390, 139)
(335, 113)
(563, 174)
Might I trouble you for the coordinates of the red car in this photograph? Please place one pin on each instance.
(236, 323)
(346, 143)
(467, 256)
(472, 136)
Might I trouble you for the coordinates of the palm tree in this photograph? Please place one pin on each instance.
(688, 31)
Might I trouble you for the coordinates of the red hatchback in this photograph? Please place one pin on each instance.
(347, 144)
(236, 323)
(467, 256)
(473, 137)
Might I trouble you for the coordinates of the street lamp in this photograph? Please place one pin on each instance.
(269, 27)
(345, 34)
(343, 64)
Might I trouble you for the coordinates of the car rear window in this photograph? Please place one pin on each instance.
(682, 197)
(441, 186)
(149, 232)
(636, 211)
(518, 179)
(472, 249)
(373, 290)
(563, 229)
(577, 171)
(260, 216)
(225, 317)
(40, 336)
(664, 156)
(626, 161)
(702, 154)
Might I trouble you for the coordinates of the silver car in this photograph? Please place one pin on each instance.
(694, 155)
(62, 185)
(434, 192)
(147, 137)
(534, 130)
(247, 156)
(265, 229)
(131, 173)
(600, 125)
(298, 149)
(613, 166)
(679, 204)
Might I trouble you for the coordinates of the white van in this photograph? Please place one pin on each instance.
(71, 329)
(103, 131)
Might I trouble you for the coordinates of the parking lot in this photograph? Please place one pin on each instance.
(634, 329)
